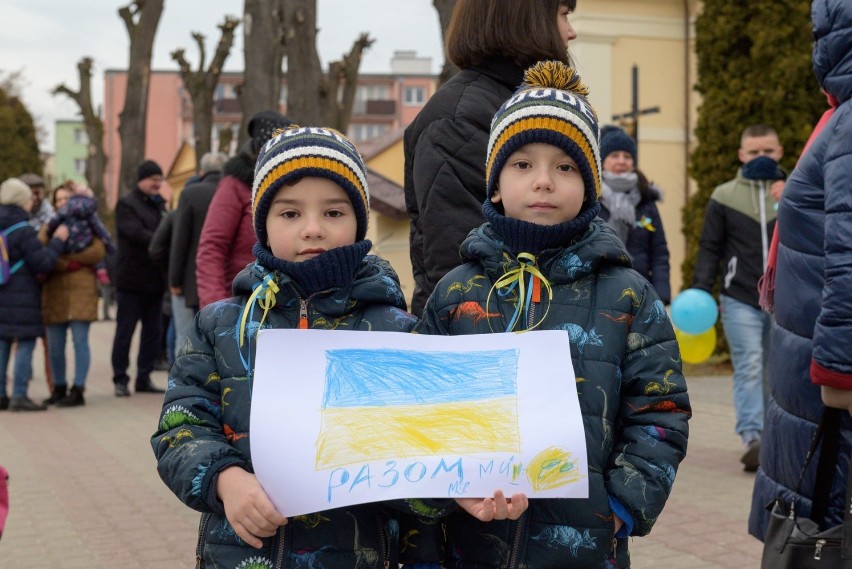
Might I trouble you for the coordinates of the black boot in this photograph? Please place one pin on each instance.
(74, 398)
(56, 395)
(145, 385)
(4, 402)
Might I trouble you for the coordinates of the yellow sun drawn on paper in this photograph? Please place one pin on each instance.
(551, 468)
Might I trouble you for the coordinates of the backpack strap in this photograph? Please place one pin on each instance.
(20, 263)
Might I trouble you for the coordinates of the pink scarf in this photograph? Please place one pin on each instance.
(766, 284)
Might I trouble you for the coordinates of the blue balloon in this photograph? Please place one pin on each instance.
(694, 311)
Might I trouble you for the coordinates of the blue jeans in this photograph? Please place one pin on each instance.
(23, 368)
(56, 337)
(183, 316)
(747, 331)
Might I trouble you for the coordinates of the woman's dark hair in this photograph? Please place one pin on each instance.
(644, 187)
(67, 185)
(522, 30)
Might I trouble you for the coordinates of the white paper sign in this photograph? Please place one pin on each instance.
(341, 418)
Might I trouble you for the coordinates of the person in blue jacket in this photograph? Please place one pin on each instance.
(20, 297)
(543, 261)
(809, 361)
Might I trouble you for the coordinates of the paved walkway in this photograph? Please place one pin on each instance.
(85, 492)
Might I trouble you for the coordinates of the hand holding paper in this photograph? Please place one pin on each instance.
(247, 507)
(496, 508)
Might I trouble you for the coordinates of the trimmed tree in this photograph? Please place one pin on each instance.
(754, 67)
(18, 141)
(201, 83)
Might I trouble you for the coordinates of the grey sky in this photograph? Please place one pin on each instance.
(46, 38)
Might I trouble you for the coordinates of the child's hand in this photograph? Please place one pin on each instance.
(618, 523)
(61, 232)
(496, 508)
(247, 507)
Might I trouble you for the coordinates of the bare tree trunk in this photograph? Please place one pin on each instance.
(263, 39)
(202, 84)
(95, 157)
(141, 18)
(445, 13)
(314, 98)
(307, 92)
(342, 81)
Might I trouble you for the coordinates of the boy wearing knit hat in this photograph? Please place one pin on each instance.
(542, 262)
(310, 208)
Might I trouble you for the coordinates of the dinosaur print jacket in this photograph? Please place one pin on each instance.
(631, 390)
(204, 425)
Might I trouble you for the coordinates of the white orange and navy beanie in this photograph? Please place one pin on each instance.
(550, 107)
(297, 152)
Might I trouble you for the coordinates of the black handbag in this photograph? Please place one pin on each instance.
(796, 542)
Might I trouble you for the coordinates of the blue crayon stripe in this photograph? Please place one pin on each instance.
(373, 378)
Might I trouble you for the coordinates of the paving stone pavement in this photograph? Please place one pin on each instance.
(85, 492)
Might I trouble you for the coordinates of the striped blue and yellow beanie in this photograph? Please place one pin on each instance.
(550, 107)
(296, 152)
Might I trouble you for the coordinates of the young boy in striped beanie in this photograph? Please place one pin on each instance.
(310, 208)
(544, 261)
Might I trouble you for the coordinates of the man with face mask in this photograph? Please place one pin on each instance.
(738, 226)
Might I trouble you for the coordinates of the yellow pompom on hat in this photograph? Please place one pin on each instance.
(550, 107)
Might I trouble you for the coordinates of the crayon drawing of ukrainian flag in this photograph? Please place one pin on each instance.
(390, 404)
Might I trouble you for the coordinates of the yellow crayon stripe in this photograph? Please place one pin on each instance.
(361, 434)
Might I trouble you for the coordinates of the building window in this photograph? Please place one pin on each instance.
(80, 166)
(362, 132)
(80, 136)
(415, 95)
(372, 93)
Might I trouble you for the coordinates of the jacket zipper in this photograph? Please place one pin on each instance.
(516, 542)
(385, 544)
(303, 314)
(282, 545)
(535, 298)
(199, 548)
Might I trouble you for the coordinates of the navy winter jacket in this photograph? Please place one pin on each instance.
(647, 245)
(20, 298)
(812, 333)
(631, 390)
(200, 434)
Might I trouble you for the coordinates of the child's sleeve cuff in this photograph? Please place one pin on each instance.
(619, 510)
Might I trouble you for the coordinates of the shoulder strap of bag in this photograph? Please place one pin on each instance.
(6, 232)
(829, 431)
(830, 427)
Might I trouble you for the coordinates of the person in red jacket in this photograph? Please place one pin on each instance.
(227, 238)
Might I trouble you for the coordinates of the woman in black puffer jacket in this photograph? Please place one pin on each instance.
(445, 145)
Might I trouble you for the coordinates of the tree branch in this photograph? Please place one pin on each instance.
(202, 51)
(179, 57)
(223, 48)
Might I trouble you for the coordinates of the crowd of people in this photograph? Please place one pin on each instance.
(526, 214)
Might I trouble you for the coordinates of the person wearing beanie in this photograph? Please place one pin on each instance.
(227, 236)
(628, 205)
(491, 43)
(309, 210)
(148, 169)
(733, 249)
(20, 294)
(140, 282)
(542, 261)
